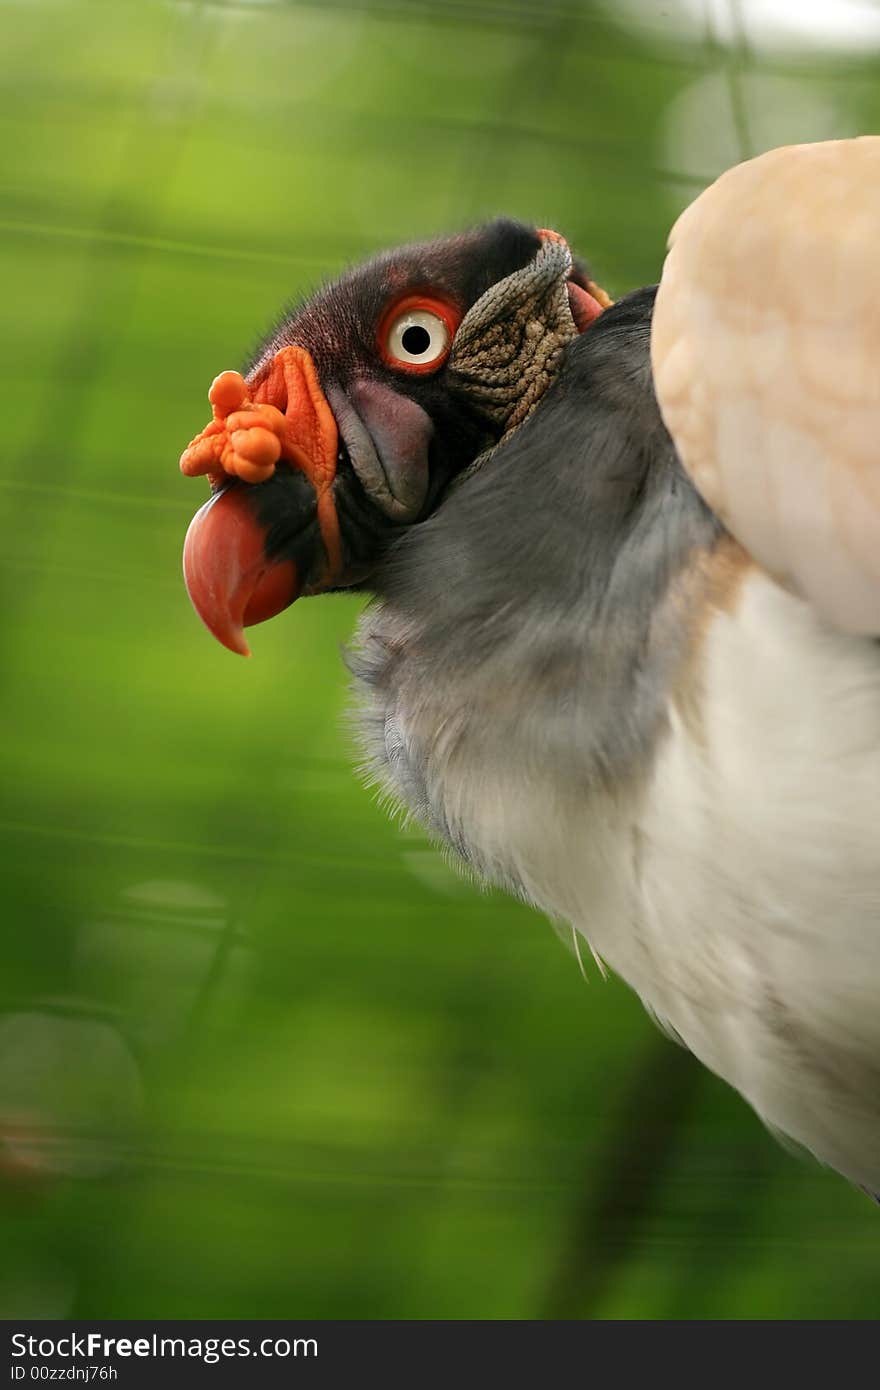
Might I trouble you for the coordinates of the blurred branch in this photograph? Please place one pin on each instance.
(623, 1187)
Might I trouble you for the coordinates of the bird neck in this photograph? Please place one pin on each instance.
(548, 597)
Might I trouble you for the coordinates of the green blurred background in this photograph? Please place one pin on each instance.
(261, 1052)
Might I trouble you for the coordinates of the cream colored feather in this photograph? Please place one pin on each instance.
(766, 357)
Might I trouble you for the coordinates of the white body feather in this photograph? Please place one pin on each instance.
(738, 888)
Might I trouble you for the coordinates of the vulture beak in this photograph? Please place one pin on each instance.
(234, 561)
(229, 577)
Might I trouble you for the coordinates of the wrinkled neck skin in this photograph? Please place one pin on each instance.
(528, 635)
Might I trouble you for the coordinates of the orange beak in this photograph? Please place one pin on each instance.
(280, 416)
(230, 579)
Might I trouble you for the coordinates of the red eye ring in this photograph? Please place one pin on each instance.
(443, 309)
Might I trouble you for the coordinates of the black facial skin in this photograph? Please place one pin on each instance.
(338, 327)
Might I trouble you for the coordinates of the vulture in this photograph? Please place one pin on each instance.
(622, 652)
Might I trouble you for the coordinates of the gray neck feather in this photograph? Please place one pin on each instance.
(528, 617)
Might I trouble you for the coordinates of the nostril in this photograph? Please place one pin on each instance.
(270, 386)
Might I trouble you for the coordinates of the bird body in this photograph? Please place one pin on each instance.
(702, 808)
(733, 882)
(574, 674)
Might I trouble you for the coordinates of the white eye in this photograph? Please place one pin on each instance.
(417, 338)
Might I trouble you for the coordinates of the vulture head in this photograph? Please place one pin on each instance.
(364, 405)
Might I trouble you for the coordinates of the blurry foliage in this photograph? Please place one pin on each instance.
(262, 1053)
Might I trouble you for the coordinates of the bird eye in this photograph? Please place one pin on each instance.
(416, 334)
